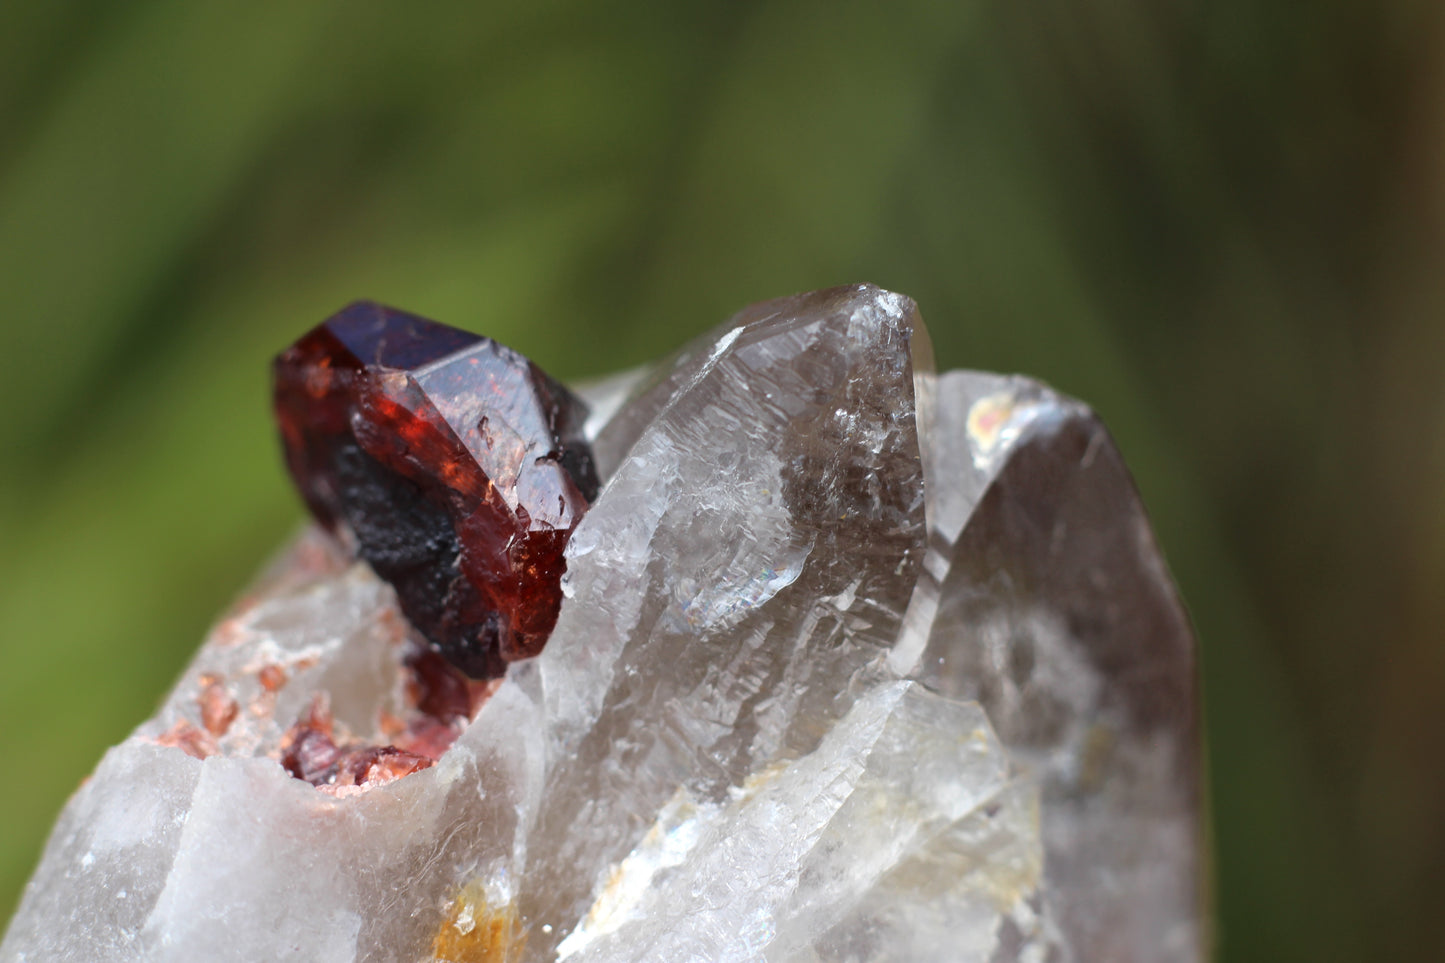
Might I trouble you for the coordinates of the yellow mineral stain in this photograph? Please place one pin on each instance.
(474, 931)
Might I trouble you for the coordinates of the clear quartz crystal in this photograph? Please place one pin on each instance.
(855, 663)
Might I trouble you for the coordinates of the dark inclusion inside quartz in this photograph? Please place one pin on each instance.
(452, 464)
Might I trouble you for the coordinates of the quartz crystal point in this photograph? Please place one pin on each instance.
(854, 663)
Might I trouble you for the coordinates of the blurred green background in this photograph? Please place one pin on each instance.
(1222, 223)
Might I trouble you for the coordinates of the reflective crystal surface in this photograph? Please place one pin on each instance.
(853, 663)
(451, 463)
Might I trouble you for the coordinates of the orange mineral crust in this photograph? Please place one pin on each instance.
(474, 931)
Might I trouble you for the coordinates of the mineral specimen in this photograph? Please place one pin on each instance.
(454, 464)
(853, 662)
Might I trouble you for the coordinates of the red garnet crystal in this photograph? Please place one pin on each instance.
(452, 464)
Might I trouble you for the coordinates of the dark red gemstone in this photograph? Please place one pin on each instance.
(310, 753)
(454, 465)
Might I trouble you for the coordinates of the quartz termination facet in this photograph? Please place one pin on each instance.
(854, 663)
(455, 464)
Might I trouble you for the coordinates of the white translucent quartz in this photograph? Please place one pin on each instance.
(855, 663)
(793, 851)
(1056, 612)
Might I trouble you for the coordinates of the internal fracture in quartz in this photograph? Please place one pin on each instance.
(851, 662)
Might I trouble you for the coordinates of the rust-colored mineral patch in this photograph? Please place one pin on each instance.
(474, 931)
(272, 678)
(186, 737)
(218, 708)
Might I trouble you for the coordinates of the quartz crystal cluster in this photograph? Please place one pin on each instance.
(850, 662)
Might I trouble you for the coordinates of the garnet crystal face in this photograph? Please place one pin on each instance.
(450, 463)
